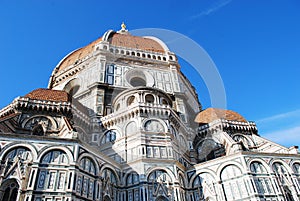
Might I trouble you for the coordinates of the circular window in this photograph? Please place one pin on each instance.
(139, 78)
(137, 81)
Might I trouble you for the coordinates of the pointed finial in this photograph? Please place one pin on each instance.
(123, 26)
(123, 29)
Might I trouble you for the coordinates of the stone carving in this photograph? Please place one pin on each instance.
(154, 126)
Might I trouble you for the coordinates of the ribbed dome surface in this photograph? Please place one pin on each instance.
(212, 114)
(135, 42)
(115, 39)
(77, 55)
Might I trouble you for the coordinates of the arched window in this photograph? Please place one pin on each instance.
(87, 165)
(10, 190)
(182, 186)
(233, 183)
(244, 141)
(130, 100)
(109, 136)
(281, 173)
(21, 152)
(132, 179)
(149, 98)
(52, 173)
(55, 157)
(109, 183)
(257, 168)
(159, 179)
(279, 168)
(204, 187)
(109, 175)
(261, 178)
(164, 102)
(159, 176)
(283, 179)
(296, 168)
(86, 182)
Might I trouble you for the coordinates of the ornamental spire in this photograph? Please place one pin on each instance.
(123, 26)
(123, 29)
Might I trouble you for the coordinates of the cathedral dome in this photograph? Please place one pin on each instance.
(212, 114)
(121, 39)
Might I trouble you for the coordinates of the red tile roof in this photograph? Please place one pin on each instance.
(48, 94)
(211, 114)
(78, 54)
(136, 42)
(117, 39)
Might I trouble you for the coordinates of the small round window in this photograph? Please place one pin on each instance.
(139, 78)
(137, 81)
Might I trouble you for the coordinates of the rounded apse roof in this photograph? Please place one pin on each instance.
(212, 114)
(121, 38)
(48, 95)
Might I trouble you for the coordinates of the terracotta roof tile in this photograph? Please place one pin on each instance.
(120, 40)
(211, 114)
(78, 54)
(136, 42)
(48, 94)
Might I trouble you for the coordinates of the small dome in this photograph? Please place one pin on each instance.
(212, 114)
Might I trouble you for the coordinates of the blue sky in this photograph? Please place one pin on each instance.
(254, 44)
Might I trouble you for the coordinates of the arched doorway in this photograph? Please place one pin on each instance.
(162, 198)
(9, 190)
